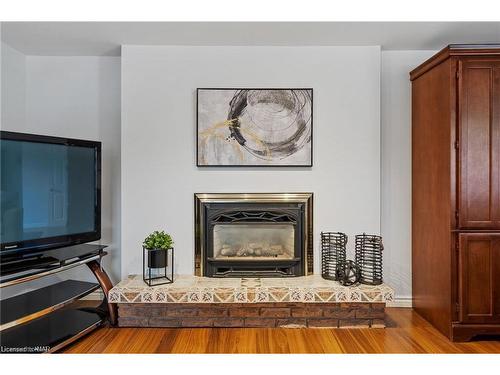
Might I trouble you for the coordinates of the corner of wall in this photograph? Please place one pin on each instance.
(13, 87)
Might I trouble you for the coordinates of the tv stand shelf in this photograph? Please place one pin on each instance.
(40, 264)
(46, 319)
(51, 332)
(32, 305)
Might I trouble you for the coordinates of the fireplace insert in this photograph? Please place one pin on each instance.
(253, 235)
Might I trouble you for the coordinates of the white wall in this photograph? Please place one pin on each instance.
(79, 97)
(159, 174)
(396, 167)
(13, 87)
(75, 97)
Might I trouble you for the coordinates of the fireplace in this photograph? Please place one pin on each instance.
(253, 235)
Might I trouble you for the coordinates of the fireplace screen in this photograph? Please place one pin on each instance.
(253, 241)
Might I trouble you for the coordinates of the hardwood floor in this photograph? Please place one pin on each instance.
(408, 333)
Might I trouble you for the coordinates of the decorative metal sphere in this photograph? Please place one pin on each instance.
(348, 273)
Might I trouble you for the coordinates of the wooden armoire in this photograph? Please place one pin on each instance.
(456, 190)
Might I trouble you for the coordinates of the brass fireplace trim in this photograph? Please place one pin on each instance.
(202, 198)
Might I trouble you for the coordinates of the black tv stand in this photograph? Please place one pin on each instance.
(47, 319)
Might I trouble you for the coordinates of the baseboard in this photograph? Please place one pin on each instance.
(401, 302)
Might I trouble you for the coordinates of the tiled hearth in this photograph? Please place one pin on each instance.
(250, 302)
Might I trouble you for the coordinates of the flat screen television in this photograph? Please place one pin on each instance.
(50, 192)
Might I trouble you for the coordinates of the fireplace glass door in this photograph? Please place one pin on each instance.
(253, 235)
(253, 241)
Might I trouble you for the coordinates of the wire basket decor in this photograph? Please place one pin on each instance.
(368, 257)
(348, 273)
(333, 253)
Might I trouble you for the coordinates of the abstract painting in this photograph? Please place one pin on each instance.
(254, 127)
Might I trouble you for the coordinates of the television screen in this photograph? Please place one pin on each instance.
(49, 191)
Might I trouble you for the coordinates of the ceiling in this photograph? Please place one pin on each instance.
(105, 38)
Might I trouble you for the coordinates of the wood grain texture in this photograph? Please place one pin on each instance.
(432, 195)
(456, 189)
(454, 50)
(479, 278)
(409, 333)
(479, 102)
(106, 285)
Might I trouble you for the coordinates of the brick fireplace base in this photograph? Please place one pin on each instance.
(192, 301)
(277, 314)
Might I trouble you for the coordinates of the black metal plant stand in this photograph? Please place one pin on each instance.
(333, 253)
(158, 266)
(368, 257)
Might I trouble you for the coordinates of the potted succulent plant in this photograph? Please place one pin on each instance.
(157, 244)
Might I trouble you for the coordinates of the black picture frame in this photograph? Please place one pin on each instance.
(254, 165)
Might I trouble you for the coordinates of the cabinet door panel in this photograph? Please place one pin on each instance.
(479, 283)
(479, 134)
